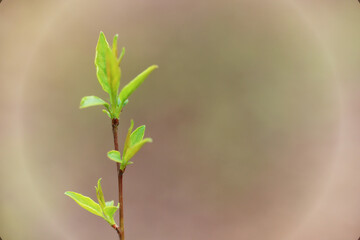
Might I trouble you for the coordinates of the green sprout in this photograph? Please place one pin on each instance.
(108, 72)
(103, 209)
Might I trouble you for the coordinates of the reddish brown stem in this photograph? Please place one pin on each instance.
(120, 231)
(116, 227)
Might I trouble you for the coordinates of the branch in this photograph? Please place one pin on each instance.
(115, 124)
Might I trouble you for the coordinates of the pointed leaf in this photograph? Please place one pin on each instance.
(117, 111)
(114, 45)
(90, 101)
(121, 55)
(137, 135)
(121, 105)
(107, 113)
(99, 194)
(115, 156)
(135, 83)
(109, 203)
(86, 203)
(126, 102)
(127, 140)
(134, 149)
(113, 75)
(109, 213)
(100, 62)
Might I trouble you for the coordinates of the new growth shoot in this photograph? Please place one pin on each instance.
(108, 71)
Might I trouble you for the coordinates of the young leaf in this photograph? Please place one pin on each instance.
(115, 156)
(127, 140)
(131, 151)
(126, 102)
(121, 106)
(117, 111)
(121, 55)
(137, 135)
(90, 101)
(107, 113)
(109, 203)
(114, 45)
(113, 75)
(86, 203)
(109, 213)
(125, 164)
(100, 62)
(99, 194)
(135, 83)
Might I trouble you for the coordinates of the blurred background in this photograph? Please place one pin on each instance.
(254, 113)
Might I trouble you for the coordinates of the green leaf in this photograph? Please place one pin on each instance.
(100, 62)
(135, 83)
(117, 112)
(114, 45)
(107, 113)
(121, 55)
(113, 76)
(126, 102)
(131, 151)
(109, 203)
(137, 135)
(86, 203)
(99, 194)
(127, 140)
(109, 213)
(90, 101)
(121, 105)
(114, 155)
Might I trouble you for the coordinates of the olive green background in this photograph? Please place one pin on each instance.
(254, 113)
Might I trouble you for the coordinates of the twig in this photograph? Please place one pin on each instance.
(115, 124)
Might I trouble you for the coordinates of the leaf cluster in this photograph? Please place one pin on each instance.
(133, 143)
(107, 63)
(103, 209)
(108, 72)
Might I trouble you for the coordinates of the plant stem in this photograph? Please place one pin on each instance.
(115, 124)
(116, 227)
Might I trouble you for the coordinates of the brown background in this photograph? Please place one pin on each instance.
(254, 114)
